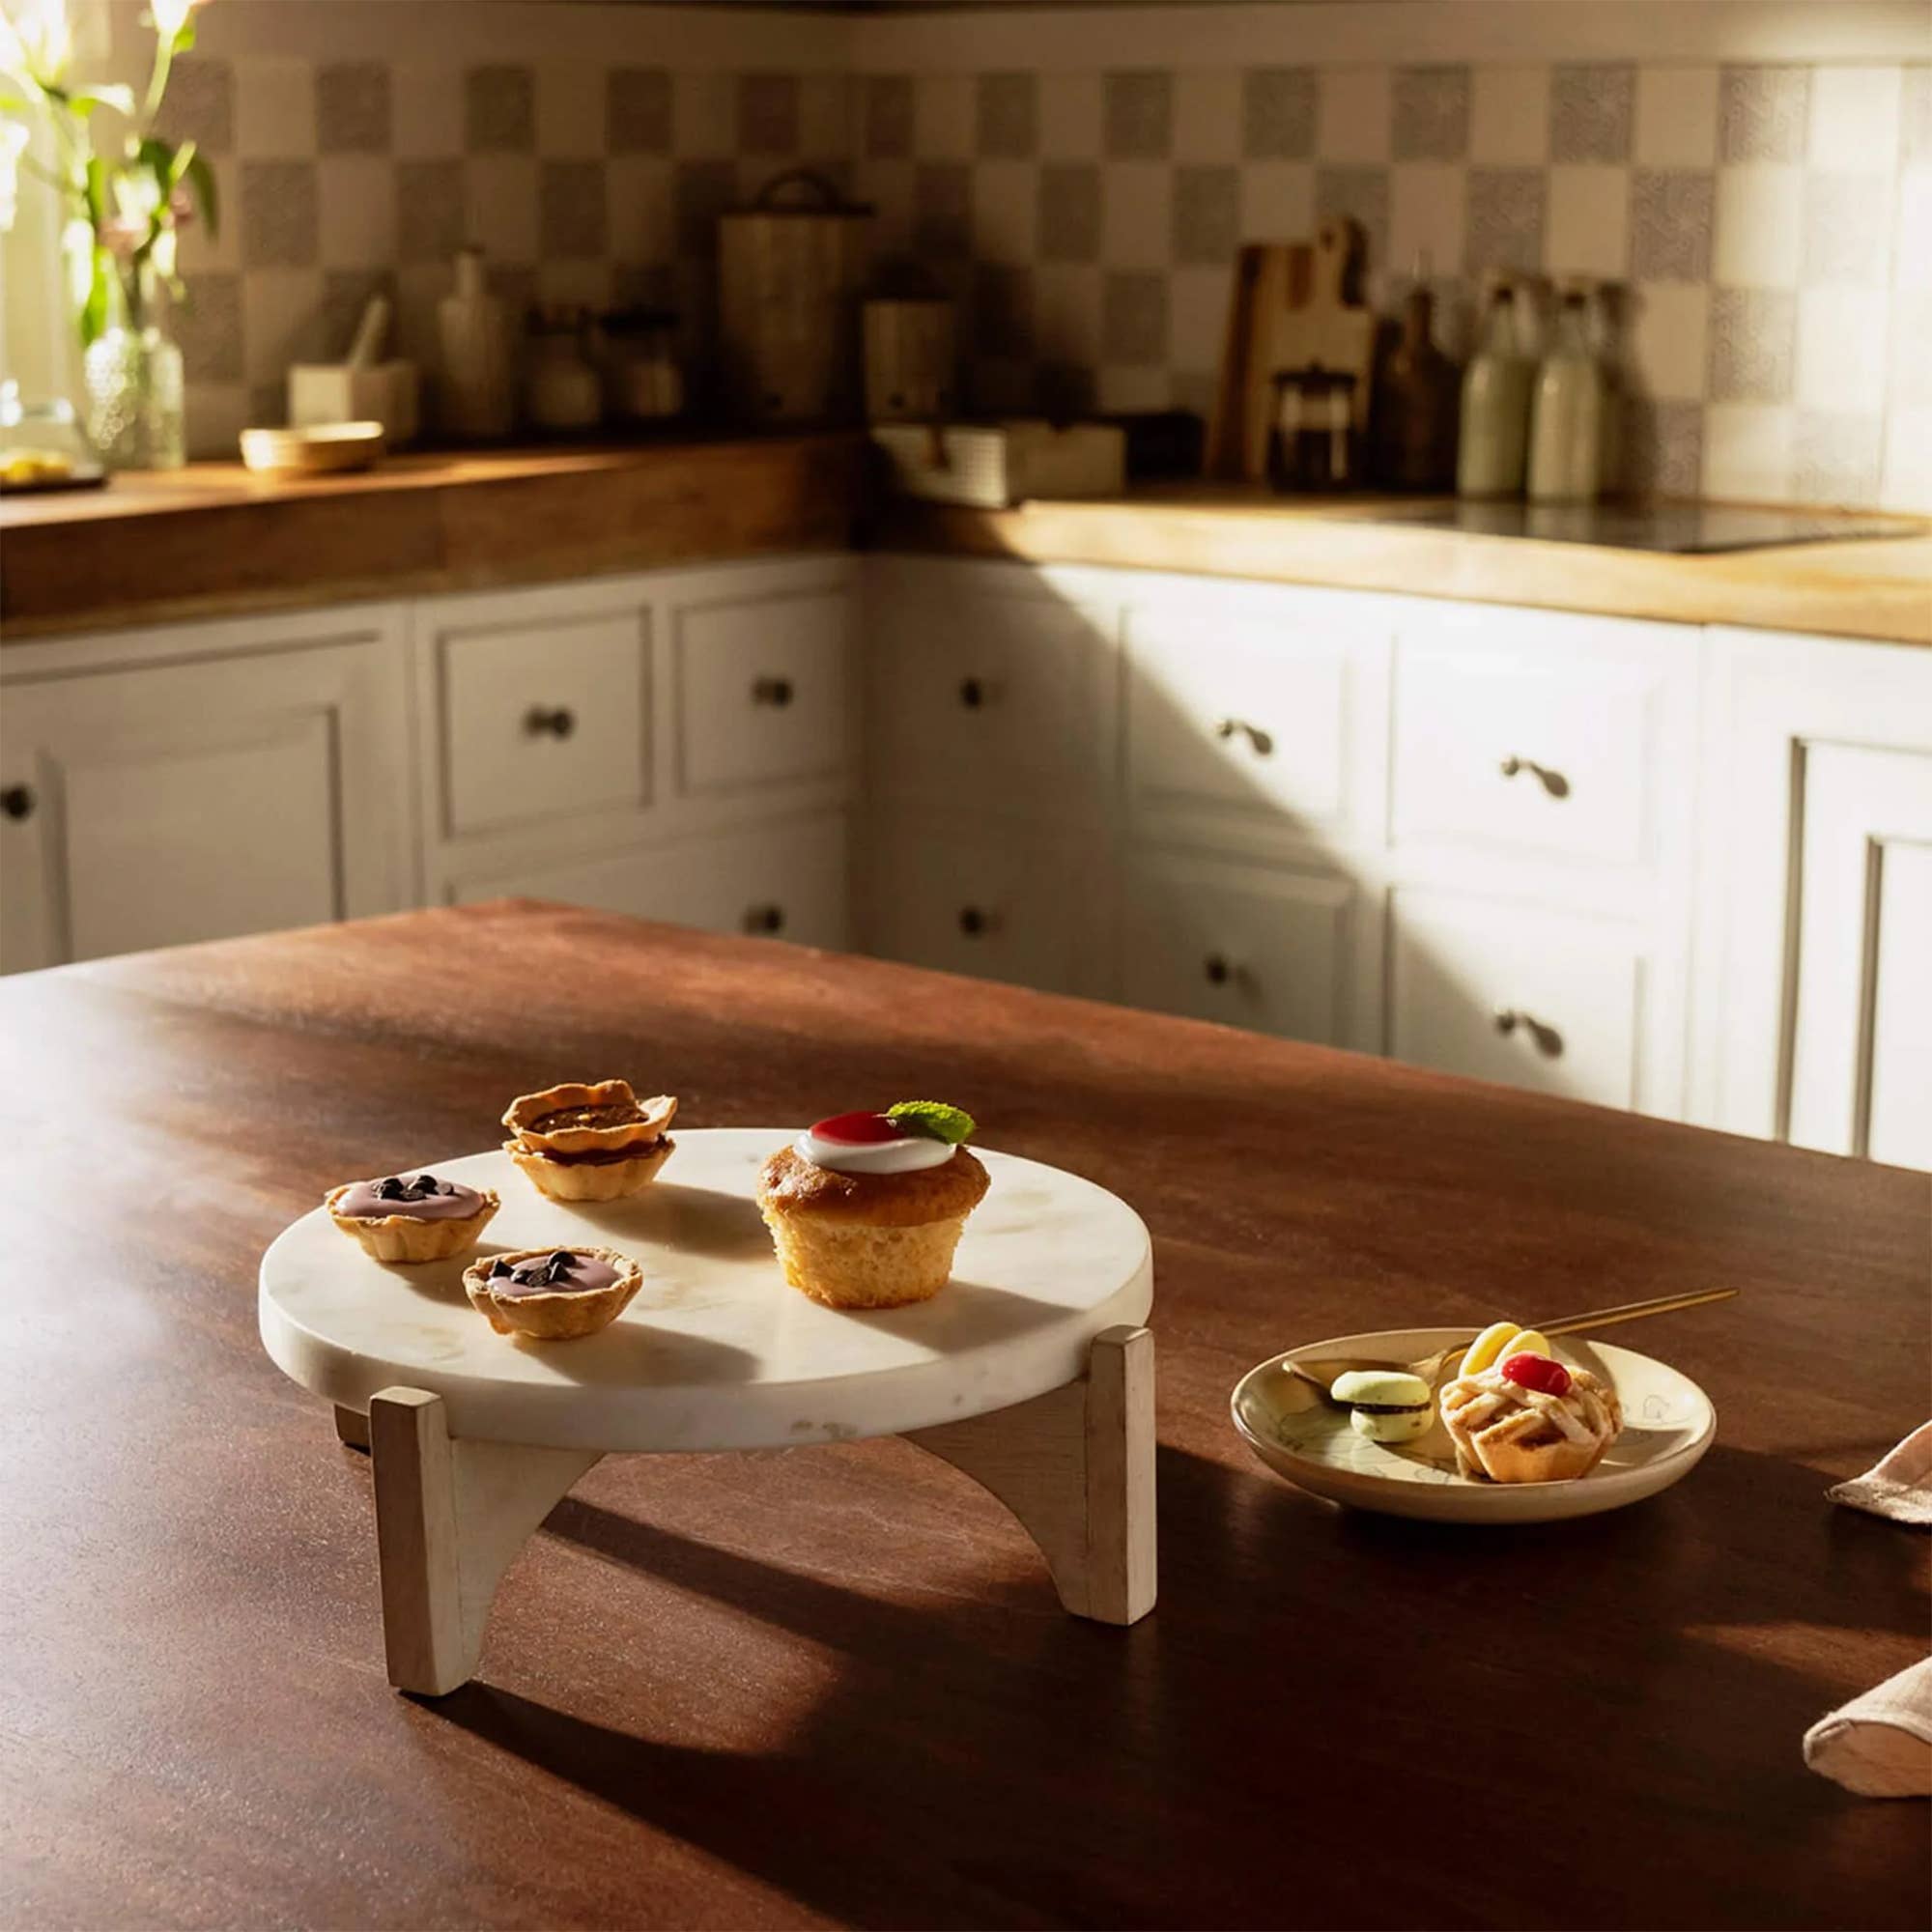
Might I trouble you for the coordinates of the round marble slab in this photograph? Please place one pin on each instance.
(715, 1351)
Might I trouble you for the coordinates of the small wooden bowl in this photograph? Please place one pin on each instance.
(315, 451)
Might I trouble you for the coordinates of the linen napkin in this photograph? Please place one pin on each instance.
(1880, 1745)
(1898, 1484)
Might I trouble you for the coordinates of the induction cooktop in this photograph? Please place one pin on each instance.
(1689, 528)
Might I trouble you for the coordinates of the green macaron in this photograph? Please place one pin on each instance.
(1384, 1405)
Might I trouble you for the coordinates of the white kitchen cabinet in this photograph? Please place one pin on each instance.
(1277, 948)
(1815, 996)
(1255, 715)
(994, 899)
(202, 780)
(781, 881)
(995, 682)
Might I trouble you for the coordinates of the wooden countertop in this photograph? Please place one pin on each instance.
(832, 1686)
(1879, 588)
(214, 539)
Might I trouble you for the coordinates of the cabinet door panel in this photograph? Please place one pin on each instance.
(1250, 946)
(201, 800)
(1015, 690)
(761, 690)
(1513, 750)
(1862, 1041)
(1548, 1001)
(974, 902)
(1239, 717)
(781, 882)
(542, 721)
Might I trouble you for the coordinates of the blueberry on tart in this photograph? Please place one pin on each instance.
(551, 1294)
(412, 1217)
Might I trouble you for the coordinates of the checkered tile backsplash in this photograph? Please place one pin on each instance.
(1774, 223)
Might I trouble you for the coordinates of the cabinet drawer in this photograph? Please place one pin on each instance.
(1515, 751)
(990, 906)
(1250, 946)
(1016, 690)
(1241, 716)
(783, 881)
(544, 718)
(761, 691)
(1548, 1000)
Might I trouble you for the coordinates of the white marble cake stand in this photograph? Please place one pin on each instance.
(1031, 1372)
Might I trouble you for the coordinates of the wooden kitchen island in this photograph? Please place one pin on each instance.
(834, 1685)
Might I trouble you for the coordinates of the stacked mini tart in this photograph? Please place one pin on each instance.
(594, 1143)
(867, 1209)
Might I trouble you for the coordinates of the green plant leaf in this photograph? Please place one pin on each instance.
(201, 185)
(934, 1119)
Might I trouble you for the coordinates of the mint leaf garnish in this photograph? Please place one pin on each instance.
(933, 1117)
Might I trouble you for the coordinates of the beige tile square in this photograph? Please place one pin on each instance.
(1066, 313)
(216, 415)
(943, 117)
(1748, 451)
(1122, 387)
(1197, 316)
(703, 116)
(1277, 201)
(1070, 117)
(828, 115)
(1586, 231)
(1759, 225)
(1667, 340)
(1207, 115)
(1676, 117)
(1912, 238)
(1429, 206)
(1855, 118)
(570, 97)
(428, 118)
(643, 221)
(1136, 215)
(281, 322)
(1352, 114)
(1905, 480)
(1509, 116)
(1005, 199)
(1841, 350)
(501, 207)
(274, 109)
(355, 203)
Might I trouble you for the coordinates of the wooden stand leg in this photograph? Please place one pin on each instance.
(352, 1428)
(450, 1514)
(1076, 1466)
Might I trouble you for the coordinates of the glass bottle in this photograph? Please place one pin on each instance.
(1492, 448)
(1567, 418)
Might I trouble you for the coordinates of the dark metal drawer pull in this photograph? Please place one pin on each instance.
(973, 922)
(1260, 742)
(559, 723)
(1552, 782)
(1217, 969)
(18, 800)
(764, 919)
(773, 691)
(1547, 1039)
(972, 693)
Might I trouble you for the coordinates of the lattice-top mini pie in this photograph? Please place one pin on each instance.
(1529, 1419)
(589, 1143)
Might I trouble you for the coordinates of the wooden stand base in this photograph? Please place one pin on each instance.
(1075, 1466)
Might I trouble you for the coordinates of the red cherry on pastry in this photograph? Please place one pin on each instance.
(1537, 1373)
(859, 1129)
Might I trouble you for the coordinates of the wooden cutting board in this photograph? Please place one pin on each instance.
(1331, 326)
(1269, 277)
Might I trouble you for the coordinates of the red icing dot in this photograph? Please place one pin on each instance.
(1539, 1373)
(859, 1129)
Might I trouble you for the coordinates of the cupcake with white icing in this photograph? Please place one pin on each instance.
(867, 1209)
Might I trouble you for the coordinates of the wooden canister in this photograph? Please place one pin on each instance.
(790, 267)
(911, 373)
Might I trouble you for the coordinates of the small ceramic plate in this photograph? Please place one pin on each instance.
(316, 449)
(1668, 1423)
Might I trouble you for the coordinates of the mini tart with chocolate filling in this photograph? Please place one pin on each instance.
(412, 1218)
(589, 1143)
(552, 1295)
